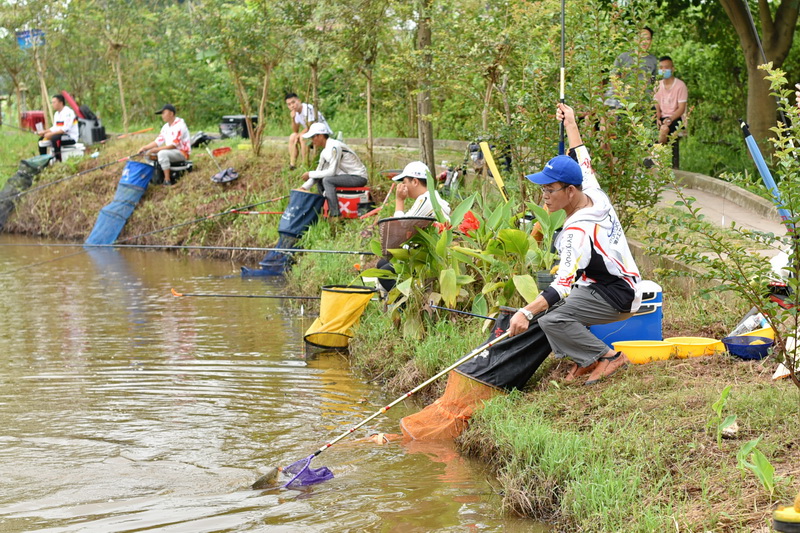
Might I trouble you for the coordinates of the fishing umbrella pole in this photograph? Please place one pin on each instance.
(766, 175)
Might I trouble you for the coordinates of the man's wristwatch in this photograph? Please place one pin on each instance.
(527, 314)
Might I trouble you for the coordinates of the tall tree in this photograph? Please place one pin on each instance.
(778, 33)
(425, 73)
(362, 38)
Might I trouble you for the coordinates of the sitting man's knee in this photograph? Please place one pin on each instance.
(163, 159)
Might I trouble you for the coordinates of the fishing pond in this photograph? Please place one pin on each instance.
(125, 408)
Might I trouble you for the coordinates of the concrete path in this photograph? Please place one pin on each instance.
(723, 203)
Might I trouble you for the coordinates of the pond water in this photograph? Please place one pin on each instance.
(124, 408)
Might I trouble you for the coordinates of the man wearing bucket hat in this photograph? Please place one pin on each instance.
(413, 183)
(597, 277)
(338, 166)
(173, 143)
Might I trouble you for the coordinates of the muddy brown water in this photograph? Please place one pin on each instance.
(123, 408)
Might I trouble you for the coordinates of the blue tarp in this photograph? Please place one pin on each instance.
(112, 218)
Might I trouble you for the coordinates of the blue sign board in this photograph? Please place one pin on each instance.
(30, 38)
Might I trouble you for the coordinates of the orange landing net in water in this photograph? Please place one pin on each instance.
(447, 417)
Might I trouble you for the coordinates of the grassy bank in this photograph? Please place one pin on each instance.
(638, 452)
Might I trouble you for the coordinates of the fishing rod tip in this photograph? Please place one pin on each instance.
(175, 293)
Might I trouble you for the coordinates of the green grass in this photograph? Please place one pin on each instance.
(635, 454)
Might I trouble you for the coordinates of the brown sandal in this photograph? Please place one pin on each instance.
(607, 366)
(577, 371)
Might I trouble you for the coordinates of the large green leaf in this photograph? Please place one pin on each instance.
(448, 286)
(475, 253)
(404, 287)
(526, 286)
(515, 241)
(400, 254)
(378, 273)
(479, 305)
(457, 215)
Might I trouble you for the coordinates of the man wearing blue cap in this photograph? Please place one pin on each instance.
(596, 269)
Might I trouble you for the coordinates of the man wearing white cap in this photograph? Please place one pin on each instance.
(338, 166)
(413, 183)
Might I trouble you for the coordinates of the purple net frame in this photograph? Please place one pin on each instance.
(304, 475)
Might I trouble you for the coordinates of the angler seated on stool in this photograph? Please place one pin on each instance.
(173, 144)
(64, 130)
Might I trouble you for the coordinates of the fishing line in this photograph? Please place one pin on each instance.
(82, 172)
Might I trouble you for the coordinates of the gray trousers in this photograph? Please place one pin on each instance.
(165, 157)
(327, 186)
(566, 325)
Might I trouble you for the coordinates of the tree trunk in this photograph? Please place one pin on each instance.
(255, 136)
(424, 104)
(117, 62)
(487, 102)
(315, 88)
(777, 41)
(46, 107)
(368, 74)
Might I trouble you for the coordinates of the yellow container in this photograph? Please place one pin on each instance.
(763, 332)
(695, 346)
(244, 146)
(641, 352)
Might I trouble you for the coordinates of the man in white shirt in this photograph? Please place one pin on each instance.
(64, 130)
(413, 183)
(303, 115)
(173, 143)
(338, 166)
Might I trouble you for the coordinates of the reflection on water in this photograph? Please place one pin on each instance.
(123, 408)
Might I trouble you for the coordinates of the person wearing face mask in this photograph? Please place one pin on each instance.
(671, 98)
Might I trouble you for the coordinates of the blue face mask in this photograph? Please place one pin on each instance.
(665, 73)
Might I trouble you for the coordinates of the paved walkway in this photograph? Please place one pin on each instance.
(723, 203)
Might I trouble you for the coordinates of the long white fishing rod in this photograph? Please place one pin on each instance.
(191, 247)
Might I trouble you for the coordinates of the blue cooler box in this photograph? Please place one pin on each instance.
(645, 325)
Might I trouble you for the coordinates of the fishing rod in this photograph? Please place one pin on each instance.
(185, 247)
(457, 311)
(300, 470)
(86, 247)
(81, 173)
(25, 130)
(208, 217)
(176, 293)
(257, 212)
(562, 99)
(123, 135)
(378, 209)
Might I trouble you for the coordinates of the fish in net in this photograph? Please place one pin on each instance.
(303, 475)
